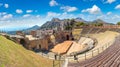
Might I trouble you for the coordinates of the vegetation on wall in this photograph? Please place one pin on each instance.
(118, 23)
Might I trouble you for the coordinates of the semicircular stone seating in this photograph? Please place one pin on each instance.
(108, 58)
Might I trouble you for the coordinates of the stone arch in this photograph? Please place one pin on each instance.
(67, 37)
(22, 42)
(39, 46)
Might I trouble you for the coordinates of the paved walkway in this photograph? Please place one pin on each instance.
(65, 63)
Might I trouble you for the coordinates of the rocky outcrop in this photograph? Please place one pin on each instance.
(61, 24)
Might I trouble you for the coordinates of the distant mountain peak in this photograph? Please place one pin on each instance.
(55, 19)
(35, 26)
(99, 21)
(78, 19)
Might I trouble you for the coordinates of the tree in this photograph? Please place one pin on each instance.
(72, 21)
(97, 24)
(69, 24)
(68, 27)
(100, 24)
(118, 23)
(79, 24)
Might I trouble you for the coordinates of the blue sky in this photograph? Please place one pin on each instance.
(19, 14)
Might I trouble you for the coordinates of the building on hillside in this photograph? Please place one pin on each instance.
(20, 33)
(33, 33)
(42, 33)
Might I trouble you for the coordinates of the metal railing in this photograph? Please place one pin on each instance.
(90, 54)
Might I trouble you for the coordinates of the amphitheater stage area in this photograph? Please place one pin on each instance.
(62, 48)
(70, 48)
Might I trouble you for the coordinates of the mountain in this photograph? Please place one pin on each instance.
(25, 30)
(56, 22)
(79, 20)
(32, 28)
(14, 55)
(101, 21)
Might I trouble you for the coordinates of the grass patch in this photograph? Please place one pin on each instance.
(14, 55)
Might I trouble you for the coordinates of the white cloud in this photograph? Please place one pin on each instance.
(53, 3)
(38, 16)
(19, 11)
(20, 23)
(29, 11)
(112, 18)
(108, 13)
(94, 10)
(52, 14)
(6, 5)
(64, 15)
(26, 15)
(117, 7)
(88, 0)
(116, 17)
(110, 1)
(2, 13)
(68, 8)
(6, 16)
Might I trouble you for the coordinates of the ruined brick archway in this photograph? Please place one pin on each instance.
(22, 42)
(67, 37)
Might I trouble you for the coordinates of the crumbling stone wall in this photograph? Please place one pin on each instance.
(46, 42)
(33, 33)
(20, 33)
(63, 36)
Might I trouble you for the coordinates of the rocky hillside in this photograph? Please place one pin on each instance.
(99, 21)
(57, 23)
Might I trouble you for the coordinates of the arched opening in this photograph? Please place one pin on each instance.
(67, 37)
(37, 48)
(72, 38)
(22, 41)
